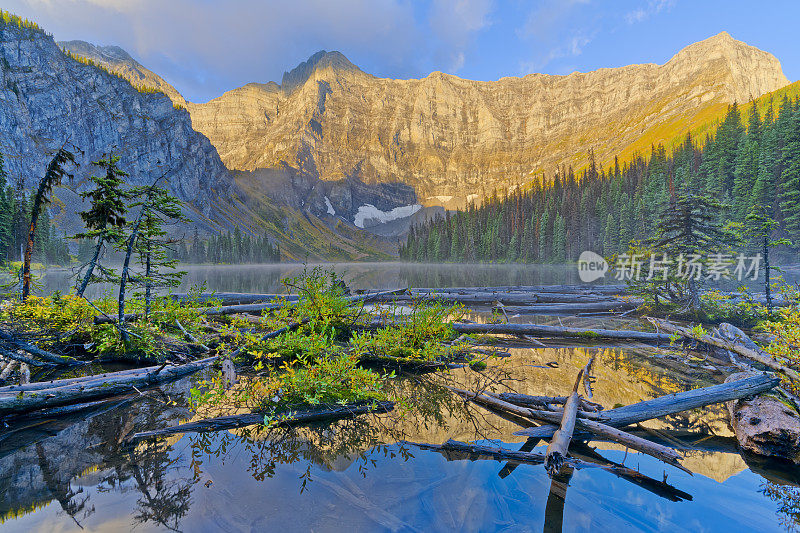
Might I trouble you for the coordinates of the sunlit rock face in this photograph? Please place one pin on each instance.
(48, 98)
(450, 138)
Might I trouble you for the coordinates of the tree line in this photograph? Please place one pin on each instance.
(16, 203)
(227, 247)
(749, 164)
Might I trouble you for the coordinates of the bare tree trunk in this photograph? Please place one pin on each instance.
(148, 284)
(123, 281)
(766, 273)
(26, 260)
(90, 268)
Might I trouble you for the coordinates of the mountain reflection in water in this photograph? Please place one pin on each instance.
(357, 475)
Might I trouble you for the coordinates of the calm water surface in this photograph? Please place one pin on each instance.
(74, 473)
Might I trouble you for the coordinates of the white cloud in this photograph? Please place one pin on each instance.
(197, 44)
(456, 22)
(653, 7)
(555, 31)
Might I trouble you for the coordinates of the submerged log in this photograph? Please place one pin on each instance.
(738, 347)
(111, 385)
(584, 453)
(559, 444)
(560, 331)
(674, 403)
(249, 419)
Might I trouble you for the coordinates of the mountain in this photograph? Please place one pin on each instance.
(454, 140)
(121, 63)
(48, 98)
(100, 99)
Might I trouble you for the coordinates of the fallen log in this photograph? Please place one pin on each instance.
(108, 319)
(756, 355)
(674, 403)
(84, 391)
(526, 400)
(23, 359)
(559, 443)
(634, 442)
(292, 418)
(38, 352)
(578, 289)
(260, 308)
(231, 298)
(569, 308)
(507, 298)
(489, 399)
(559, 331)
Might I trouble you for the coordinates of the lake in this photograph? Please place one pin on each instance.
(362, 475)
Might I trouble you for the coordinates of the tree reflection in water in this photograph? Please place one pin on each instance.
(788, 499)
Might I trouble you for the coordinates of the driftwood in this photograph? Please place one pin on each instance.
(634, 442)
(260, 308)
(569, 308)
(558, 331)
(559, 444)
(526, 400)
(38, 352)
(293, 418)
(491, 400)
(674, 403)
(231, 298)
(110, 385)
(23, 359)
(738, 347)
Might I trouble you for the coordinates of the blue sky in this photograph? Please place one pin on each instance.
(205, 47)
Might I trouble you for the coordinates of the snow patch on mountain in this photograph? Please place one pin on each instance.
(371, 215)
(329, 205)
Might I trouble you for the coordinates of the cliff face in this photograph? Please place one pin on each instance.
(453, 139)
(47, 98)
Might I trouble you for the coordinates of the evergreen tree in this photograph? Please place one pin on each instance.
(104, 220)
(56, 170)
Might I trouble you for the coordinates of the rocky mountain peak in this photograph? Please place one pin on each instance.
(47, 97)
(122, 63)
(321, 60)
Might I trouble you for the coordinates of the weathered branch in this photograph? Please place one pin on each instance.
(559, 331)
(38, 352)
(674, 403)
(110, 385)
(738, 347)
